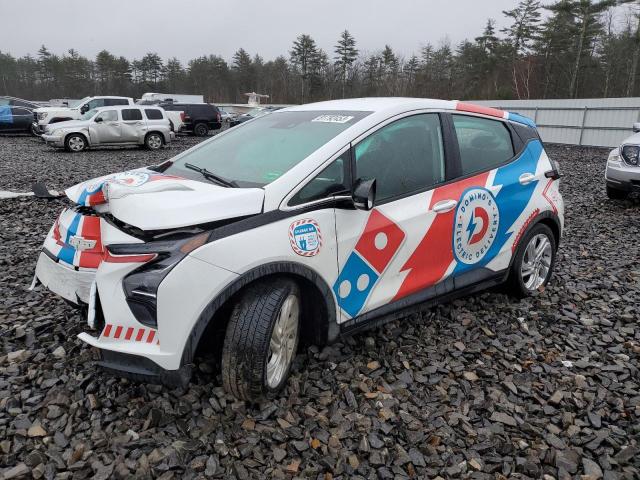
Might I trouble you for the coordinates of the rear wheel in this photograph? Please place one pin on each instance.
(153, 141)
(201, 130)
(533, 263)
(615, 194)
(261, 340)
(75, 143)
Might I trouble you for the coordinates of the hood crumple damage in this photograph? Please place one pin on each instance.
(150, 200)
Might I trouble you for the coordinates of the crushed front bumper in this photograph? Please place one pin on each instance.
(54, 141)
(64, 280)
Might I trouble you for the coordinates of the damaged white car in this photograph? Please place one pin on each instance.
(304, 225)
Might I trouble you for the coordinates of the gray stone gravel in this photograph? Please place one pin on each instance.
(484, 387)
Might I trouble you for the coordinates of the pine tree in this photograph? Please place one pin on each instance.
(346, 55)
(303, 55)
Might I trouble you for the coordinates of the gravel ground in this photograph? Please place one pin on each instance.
(485, 387)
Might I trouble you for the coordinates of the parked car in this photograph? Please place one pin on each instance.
(50, 115)
(198, 118)
(226, 116)
(251, 114)
(16, 114)
(622, 175)
(375, 206)
(118, 125)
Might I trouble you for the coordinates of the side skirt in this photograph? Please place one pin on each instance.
(418, 302)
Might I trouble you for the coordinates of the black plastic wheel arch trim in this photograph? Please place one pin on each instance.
(263, 271)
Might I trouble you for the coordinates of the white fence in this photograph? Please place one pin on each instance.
(602, 122)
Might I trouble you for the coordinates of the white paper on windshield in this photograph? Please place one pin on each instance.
(333, 118)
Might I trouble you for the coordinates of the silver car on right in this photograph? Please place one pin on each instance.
(623, 167)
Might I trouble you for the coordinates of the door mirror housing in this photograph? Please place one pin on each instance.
(99, 120)
(364, 194)
(636, 127)
(84, 108)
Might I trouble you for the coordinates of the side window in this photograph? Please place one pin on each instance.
(331, 180)
(95, 103)
(111, 102)
(131, 114)
(153, 113)
(108, 116)
(484, 144)
(21, 111)
(404, 157)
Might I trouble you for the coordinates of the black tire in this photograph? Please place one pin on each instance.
(34, 131)
(200, 129)
(75, 143)
(615, 194)
(246, 349)
(515, 284)
(153, 141)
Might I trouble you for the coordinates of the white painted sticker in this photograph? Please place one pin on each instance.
(333, 118)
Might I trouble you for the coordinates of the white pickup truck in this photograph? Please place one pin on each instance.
(48, 115)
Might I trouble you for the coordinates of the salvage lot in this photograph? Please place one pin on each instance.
(486, 385)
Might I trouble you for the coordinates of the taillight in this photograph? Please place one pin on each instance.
(219, 117)
(144, 258)
(182, 116)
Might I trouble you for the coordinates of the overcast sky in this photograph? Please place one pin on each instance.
(190, 28)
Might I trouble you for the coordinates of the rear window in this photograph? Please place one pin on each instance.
(153, 114)
(131, 114)
(484, 144)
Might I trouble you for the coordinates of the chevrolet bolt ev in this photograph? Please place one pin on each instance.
(302, 226)
(622, 175)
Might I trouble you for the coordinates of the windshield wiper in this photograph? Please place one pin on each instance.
(212, 176)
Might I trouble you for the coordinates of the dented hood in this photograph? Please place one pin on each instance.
(153, 201)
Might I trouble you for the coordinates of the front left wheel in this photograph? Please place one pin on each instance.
(75, 143)
(261, 340)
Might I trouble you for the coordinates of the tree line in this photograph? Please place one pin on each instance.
(577, 49)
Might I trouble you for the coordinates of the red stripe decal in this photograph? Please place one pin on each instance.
(127, 258)
(118, 332)
(91, 258)
(107, 330)
(129, 333)
(434, 254)
(140, 334)
(152, 333)
(471, 108)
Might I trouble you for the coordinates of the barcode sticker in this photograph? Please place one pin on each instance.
(333, 118)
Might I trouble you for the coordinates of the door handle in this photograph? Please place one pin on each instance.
(526, 178)
(444, 206)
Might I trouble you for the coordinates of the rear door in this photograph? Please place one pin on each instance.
(497, 179)
(134, 126)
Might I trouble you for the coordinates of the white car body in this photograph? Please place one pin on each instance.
(113, 131)
(622, 175)
(49, 115)
(365, 263)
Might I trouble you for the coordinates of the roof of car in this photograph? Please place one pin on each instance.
(122, 107)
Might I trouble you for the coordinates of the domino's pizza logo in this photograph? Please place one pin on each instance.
(476, 225)
(131, 179)
(305, 237)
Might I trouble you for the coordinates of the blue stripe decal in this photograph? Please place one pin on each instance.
(67, 252)
(516, 117)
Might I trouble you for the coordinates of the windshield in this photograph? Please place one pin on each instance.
(266, 148)
(76, 103)
(88, 115)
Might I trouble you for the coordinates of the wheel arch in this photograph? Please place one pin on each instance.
(321, 326)
(548, 218)
(82, 134)
(164, 141)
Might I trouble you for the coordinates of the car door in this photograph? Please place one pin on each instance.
(382, 253)
(497, 178)
(22, 118)
(133, 125)
(106, 128)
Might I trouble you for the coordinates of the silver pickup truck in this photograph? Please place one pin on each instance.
(118, 125)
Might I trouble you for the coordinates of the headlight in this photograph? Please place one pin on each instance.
(631, 153)
(158, 258)
(42, 116)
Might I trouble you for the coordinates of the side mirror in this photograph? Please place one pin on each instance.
(364, 194)
(84, 108)
(636, 127)
(99, 120)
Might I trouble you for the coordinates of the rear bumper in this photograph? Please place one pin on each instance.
(71, 284)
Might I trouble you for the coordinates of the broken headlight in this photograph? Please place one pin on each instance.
(630, 154)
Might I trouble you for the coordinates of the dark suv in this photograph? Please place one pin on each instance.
(198, 118)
